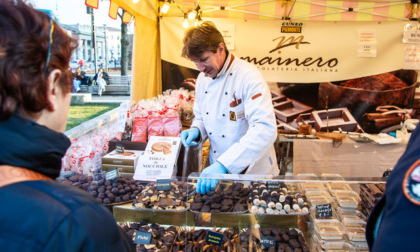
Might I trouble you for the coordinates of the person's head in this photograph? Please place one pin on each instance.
(78, 70)
(205, 46)
(35, 78)
(101, 70)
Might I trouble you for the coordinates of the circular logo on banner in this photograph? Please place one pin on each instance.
(411, 183)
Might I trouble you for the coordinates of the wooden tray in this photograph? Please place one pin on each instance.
(334, 119)
(288, 110)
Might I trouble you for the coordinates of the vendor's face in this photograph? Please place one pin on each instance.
(210, 63)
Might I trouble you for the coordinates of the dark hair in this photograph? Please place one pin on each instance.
(24, 42)
(200, 39)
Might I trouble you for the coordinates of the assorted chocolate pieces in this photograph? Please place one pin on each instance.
(78, 180)
(370, 194)
(283, 199)
(195, 240)
(173, 199)
(115, 191)
(161, 239)
(176, 239)
(284, 239)
(225, 198)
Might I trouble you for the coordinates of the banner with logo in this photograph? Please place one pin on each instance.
(299, 52)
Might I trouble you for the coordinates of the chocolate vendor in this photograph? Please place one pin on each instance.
(233, 109)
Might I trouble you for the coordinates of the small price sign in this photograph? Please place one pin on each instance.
(324, 211)
(119, 149)
(214, 238)
(163, 184)
(142, 237)
(111, 174)
(272, 186)
(268, 242)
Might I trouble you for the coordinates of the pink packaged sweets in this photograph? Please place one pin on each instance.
(139, 129)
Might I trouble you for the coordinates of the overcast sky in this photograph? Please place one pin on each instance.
(74, 11)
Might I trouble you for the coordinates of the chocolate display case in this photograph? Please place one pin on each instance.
(303, 201)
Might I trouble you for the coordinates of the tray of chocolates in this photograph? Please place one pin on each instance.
(276, 199)
(272, 239)
(116, 191)
(194, 239)
(174, 199)
(226, 198)
(162, 237)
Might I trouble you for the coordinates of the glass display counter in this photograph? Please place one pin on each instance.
(257, 212)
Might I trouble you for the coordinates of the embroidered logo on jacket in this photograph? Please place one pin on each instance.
(411, 183)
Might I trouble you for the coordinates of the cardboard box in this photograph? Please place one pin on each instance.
(128, 158)
(121, 168)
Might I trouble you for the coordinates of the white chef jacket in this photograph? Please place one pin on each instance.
(236, 113)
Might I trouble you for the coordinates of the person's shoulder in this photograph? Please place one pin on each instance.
(245, 67)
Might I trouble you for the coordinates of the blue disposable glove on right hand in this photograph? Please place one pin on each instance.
(207, 185)
(188, 136)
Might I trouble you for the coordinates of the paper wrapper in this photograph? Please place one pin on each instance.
(171, 126)
(139, 129)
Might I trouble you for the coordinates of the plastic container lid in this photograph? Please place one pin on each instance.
(356, 234)
(347, 199)
(351, 217)
(329, 229)
(334, 187)
(318, 197)
(333, 175)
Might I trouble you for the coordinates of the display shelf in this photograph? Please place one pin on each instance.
(196, 220)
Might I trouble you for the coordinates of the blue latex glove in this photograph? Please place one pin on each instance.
(207, 185)
(188, 136)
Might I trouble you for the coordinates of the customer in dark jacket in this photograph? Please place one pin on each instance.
(38, 213)
(394, 223)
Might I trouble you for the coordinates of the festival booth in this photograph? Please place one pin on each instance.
(304, 49)
(309, 52)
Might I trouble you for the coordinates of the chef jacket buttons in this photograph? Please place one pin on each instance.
(223, 114)
(225, 93)
(230, 74)
(214, 151)
(210, 133)
(207, 113)
(223, 135)
(205, 92)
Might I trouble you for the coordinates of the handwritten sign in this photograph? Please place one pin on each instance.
(272, 186)
(119, 149)
(111, 174)
(268, 242)
(142, 237)
(214, 238)
(324, 211)
(163, 184)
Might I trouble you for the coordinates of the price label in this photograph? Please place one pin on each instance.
(163, 184)
(119, 149)
(111, 174)
(142, 237)
(268, 242)
(273, 186)
(214, 238)
(66, 174)
(324, 210)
